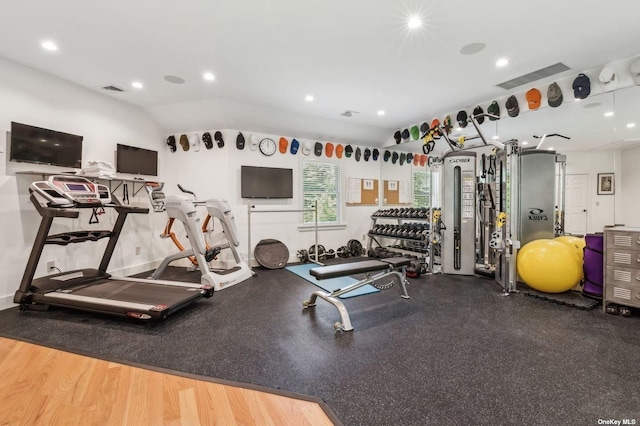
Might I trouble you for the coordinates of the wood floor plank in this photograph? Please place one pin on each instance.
(43, 386)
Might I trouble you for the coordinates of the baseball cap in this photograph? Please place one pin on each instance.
(339, 150)
(306, 148)
(317, 149)
(447, 124)
(348, 151)
(423, 159)
(416, 159)
(397, 136)
(415, 133)
(494, 109)
(328, 149)
(424, 128)
(554, 95)
(477, 113)
(533, 98)
(394, 158)
(194, 141)
(184, 142)
(409, 158)
(387, 155)
(462, 118)
(358, 154)
(206, 139)
(403, 157)
(367, 154)
(284, 144)
(218, 138)
(376, 154)
(253, 142)
(635, 72)
(171, 141)
(608, 79)
(405, 134)
(240, 141)
(581, 86)
(295, 145)
(512, 106)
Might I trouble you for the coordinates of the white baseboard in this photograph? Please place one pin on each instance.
(6, 302)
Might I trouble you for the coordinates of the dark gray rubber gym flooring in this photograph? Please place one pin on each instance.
(455, 353)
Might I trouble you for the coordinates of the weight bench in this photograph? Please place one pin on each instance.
(393, 267)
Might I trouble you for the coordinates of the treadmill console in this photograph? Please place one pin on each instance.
(68, 191)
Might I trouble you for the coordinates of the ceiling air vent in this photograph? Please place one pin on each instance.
(113, 89)
(534, 76)
(349, 113)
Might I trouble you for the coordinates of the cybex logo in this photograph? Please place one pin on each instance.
(460, 160)
(537, 214)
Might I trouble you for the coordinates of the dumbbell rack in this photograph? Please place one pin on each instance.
(404, 242)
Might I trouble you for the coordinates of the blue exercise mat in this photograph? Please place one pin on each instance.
(331, 284)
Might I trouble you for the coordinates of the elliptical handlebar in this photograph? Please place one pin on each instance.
(186, 191)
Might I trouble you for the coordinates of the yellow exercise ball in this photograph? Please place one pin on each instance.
(578, 244)
(549, 266)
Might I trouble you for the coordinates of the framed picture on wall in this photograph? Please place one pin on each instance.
(605, 184)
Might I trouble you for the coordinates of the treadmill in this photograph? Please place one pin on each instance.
(94, 290)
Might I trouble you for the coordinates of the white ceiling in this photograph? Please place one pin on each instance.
(350, 54)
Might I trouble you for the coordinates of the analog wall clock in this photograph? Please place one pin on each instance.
(267, 146)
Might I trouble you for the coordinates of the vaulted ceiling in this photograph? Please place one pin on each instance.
(267, 55)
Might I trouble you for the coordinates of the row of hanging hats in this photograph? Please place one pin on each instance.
(581, 87)
(328, 149)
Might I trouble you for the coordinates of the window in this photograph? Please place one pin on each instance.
(321, 182)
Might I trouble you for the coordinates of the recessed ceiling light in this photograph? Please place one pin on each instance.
(308, 98)
(137, 85)
(494, 137)
(208, 76)
(458, 129)
(381, 112)
(608, 114)
(49, 45)
(414, 22)
(550, 148)
(472, 48)
(502, 62)
(525, 143)
(631, 125)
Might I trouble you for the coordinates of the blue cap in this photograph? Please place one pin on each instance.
(294, 146)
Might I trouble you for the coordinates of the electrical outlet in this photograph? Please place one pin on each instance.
(51, 265)
(137, 251)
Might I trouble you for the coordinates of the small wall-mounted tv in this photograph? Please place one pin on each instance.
(30, 144)
(138, 161)
(266, 182)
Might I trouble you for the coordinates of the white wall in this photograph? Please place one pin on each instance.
(215, 173)
(601, 208)
(38, 99)
(34, 98)
(630, 188)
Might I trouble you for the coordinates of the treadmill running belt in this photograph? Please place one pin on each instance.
(138, 292)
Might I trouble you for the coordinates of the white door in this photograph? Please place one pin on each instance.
(576, 193)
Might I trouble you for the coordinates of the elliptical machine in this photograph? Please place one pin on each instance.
(183, 208)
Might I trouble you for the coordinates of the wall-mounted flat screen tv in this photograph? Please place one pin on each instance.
(138, 161)
(265, 182)
(30, 144)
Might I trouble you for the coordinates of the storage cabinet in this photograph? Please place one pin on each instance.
(622, 266)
